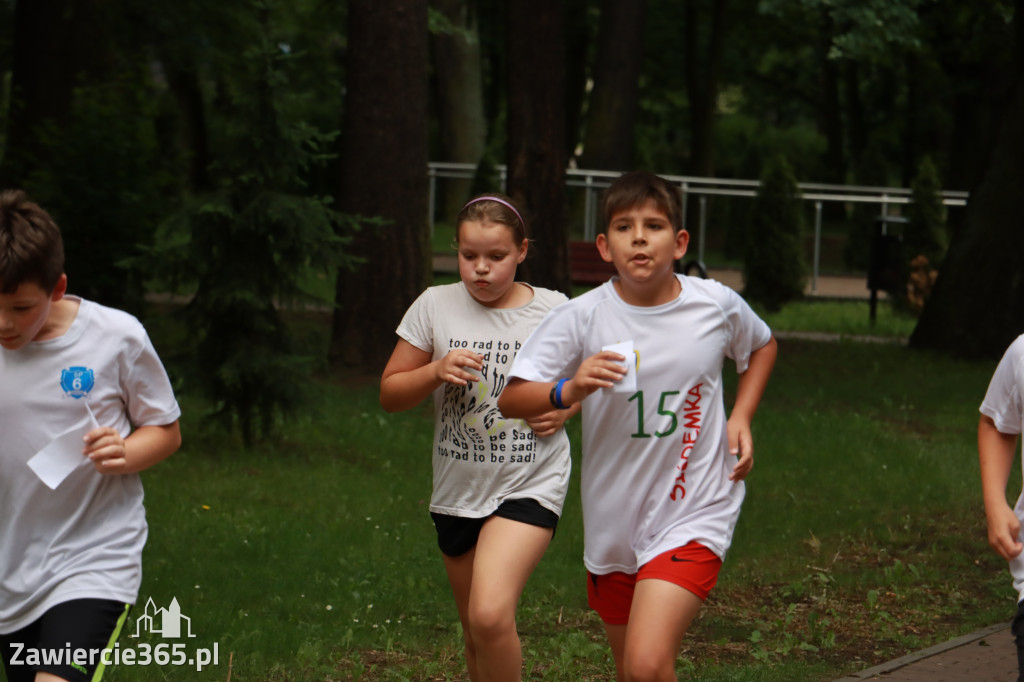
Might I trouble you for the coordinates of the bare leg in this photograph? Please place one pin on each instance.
(617, 641)
(460, 576)
(506, 554)
(659, 617)
(487, 582)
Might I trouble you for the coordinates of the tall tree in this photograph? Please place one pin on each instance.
(58, 44)
(383, 174)
(609, 141)
(977, 306)
(536, 136)
(460, 98)
(703, 74)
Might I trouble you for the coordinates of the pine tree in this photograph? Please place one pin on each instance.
(244, 249)
(774, 272)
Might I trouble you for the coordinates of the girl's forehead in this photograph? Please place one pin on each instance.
(491, 232)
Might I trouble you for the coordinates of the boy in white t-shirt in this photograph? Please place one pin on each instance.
(663, 468)
(79, 380)
(1002, 419)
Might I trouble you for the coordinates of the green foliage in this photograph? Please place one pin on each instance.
(773, 269)
(865, 30)
(106, 185)
(246, 249)
(926, 226)
(745, 145)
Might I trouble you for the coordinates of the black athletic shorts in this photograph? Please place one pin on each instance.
(456, 535)
(67, 641)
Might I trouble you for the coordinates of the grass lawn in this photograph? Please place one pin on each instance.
(862, 538)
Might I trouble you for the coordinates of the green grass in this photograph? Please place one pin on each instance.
(847, 318)
(314, 558)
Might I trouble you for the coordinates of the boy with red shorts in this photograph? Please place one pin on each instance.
(663, 468)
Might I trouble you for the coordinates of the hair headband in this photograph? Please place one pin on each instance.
(500, 201)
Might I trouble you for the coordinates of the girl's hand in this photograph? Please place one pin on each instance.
(453, 368)
(548, 423)
(105, 447)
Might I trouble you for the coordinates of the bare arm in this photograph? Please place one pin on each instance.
(411, 374)
(996, 454)
(748, 396)
(527, 399)
(143, 448)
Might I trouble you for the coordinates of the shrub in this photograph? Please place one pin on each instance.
(926, 218)
(774, 272)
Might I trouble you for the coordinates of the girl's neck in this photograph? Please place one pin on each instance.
(518, 295)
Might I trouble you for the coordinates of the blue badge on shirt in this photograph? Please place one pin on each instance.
(76, 381)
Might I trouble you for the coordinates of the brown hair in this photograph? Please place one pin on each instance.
(31, 248)
(493, 208)
(635, 189)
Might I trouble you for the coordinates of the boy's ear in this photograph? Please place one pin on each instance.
(602, 247)
(682, 241)
(60, 289)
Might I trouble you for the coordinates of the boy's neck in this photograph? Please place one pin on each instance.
(660, 292)
(62, 315)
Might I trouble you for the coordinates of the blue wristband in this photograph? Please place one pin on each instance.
(556, 395)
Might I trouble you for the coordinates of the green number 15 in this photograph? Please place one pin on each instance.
(662, 410)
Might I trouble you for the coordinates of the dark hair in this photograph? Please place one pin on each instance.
(493, 208)
(31, 249)
(635, 189)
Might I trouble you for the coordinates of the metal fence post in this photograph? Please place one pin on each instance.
(703, 229)
(817, 246)
(431, 198)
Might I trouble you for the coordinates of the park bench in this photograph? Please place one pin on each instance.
(586, 267)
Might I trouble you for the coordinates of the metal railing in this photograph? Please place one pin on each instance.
(595, 181)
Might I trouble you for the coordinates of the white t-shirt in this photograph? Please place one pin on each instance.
(83, 539)
(1004, 405)
(656, 460)
(482, 459)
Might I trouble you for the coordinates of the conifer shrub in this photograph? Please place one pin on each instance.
(926, 226)
(244, 250)
(924, 236)
(774, 271)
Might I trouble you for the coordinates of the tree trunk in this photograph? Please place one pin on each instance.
(57, 45)
(193, 136)
(977, 307)
(611, 116)
(702, 77)
(383, 173)
(579, 38)
(830, 117)
(457, 69)
(536, 137)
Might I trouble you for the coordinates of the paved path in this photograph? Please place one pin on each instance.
(987, 655)
(825, 287)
